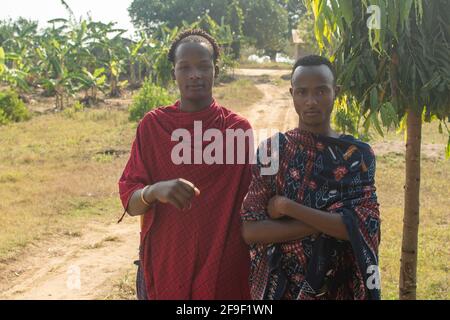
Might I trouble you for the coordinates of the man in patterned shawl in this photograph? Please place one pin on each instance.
(314, 227)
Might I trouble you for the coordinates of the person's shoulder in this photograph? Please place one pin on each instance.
(363, 146)
(157, 112)
(234, 120)
(273, 144)
(154, 115)
(160, 110)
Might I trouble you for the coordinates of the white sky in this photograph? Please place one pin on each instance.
(44, 10)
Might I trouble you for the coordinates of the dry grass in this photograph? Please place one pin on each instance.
(53, 175)
(433, 281)
(430, 134)
(237, 94)
(124, 288)
(59, 171)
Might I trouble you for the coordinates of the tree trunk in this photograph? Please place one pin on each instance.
(139, 75)
(236, 49)
(114, 89)
(272, 55)
(132, 74)
(408, 269)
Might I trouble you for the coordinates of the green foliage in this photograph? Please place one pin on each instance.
(224, 36)
(11, 76)
(296, 9)
(151, 14)
(157, 51)
(12, 109)
(17, 39)
(305, 29)
(266, 23)
(149, 97)
(2, 61)
(346, 116)
(91, 83)
(69, 56)
(235, 19)
(403, 65)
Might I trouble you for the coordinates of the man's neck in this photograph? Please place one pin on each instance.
(324, 130)
(187, 105)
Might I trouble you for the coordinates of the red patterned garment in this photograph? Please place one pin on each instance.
(197, 253)
(329, 174)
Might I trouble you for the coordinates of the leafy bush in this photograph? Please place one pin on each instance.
(12, 109)
(149, 97)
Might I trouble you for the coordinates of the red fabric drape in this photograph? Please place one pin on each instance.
(198, 253)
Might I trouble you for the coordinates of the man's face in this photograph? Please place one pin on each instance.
(313, 92)
(194, 70)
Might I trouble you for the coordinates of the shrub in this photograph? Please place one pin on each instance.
(12, 109)
(149, 97)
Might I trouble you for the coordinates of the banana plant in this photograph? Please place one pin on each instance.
(18, 41)
(157, 51)
(135, 57)
(91, 83)
(58, 62)
(108, 44)
(13, 77)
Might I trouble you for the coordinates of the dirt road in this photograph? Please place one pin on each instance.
(83, 267)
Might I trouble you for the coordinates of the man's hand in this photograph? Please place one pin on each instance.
(178, 192)
(276, 206)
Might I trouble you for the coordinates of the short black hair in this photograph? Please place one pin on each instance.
(314, 60)
(194, 36)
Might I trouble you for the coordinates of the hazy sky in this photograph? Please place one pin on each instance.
(44, 10)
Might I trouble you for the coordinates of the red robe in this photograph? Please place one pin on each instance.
(198, 253)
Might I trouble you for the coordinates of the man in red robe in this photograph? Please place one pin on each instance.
(191, 245)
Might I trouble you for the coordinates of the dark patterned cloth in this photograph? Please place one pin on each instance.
(329, 174)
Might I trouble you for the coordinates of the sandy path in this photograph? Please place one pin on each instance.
(50, 271)
(275, 111)
(260, 72)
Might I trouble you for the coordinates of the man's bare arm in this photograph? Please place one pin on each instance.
(178, 192)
